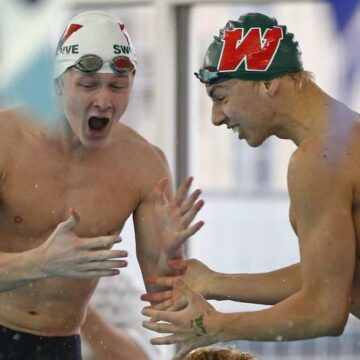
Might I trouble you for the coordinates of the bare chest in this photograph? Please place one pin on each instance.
(39, 192)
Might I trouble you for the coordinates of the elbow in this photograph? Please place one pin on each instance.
(334, 322)
(337, 327)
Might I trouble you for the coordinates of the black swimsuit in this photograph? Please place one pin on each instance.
(16, 345)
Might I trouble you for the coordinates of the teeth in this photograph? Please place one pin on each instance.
(235, 128)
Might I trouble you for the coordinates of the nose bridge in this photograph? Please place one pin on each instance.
(102, 97)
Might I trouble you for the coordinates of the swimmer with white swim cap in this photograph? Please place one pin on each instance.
(253, 74)
(67, 192)
(114, 51)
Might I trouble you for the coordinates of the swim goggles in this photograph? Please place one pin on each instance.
(90, 63)
(211, 75)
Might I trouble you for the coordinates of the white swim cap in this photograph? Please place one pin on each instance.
(93, 33)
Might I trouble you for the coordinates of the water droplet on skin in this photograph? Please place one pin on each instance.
(36, 186)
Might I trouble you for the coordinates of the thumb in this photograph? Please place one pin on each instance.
(160, 186)
(72, 221)
(184, 288)
(159, 189)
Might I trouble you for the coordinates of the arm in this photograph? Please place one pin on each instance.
(263, 288)
(327, 253)
(108, 341)
(163, 223)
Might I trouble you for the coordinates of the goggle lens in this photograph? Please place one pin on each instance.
(91, 63)
(122, 64)
(207, 76)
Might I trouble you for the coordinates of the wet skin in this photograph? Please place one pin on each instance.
(105, 177)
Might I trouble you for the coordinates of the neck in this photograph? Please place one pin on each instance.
(62, 136)
(305, 113)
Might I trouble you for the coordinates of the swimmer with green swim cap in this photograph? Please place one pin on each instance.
(254, 76)
(254, 47)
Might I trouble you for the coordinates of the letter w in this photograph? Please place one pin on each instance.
(257, 52)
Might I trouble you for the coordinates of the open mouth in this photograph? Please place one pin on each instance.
(98, 123)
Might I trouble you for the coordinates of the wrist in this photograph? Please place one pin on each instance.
(35, 259)
(211, 285)
(221, 326)
(215, 327)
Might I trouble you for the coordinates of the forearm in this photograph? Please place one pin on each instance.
(298, 317)
(265, 288)
(19, 269)
(157, 265)
(109, 342)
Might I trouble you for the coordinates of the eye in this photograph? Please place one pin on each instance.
(117, 86)
(87, 84)
(120, 85)
(218, 97)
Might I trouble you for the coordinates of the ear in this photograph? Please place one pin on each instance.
(58, 84)
(272, 87)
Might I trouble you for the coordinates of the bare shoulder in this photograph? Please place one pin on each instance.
(10, 134)
(147, 160)
(140, 148)
(324, 164)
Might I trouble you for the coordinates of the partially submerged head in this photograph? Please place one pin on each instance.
(94, 68)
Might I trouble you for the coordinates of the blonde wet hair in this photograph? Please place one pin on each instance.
(213, 353)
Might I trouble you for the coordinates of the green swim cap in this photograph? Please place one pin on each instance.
(254, 47)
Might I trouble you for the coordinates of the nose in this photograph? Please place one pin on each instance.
(217, 116)
(102, 99)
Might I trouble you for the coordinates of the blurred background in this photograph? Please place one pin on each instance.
(246, 211)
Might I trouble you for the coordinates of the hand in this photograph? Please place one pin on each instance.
(197, 275)
(173, 217)
(64, 254)
(191, 327)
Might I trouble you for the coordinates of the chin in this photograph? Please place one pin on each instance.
(95, 143)
(255, 142)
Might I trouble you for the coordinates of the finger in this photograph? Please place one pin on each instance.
(168, 316)
(185, 234)
(162, 328)
(157, 297)
(167, 281)
(182, 191)
(184, 350)
(159, 189)
(165, 305)
(190, 215)
(189, 202)
(190, 231)
(71, 222)
(95, 255)
(184, 288)
(168, 340)
(102, 265)
(101, 242)
(178, 264)
(97, 273)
